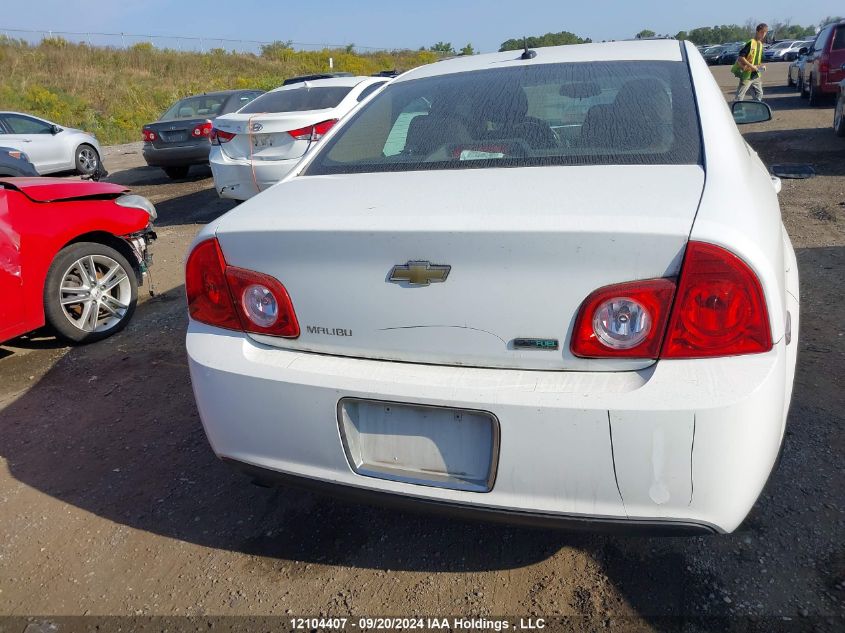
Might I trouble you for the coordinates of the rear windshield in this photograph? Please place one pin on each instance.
(298, 99)
(195, 107)
(839, 39)
(596, 113)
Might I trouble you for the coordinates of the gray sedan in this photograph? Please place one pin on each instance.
(14, 162)
(180, 138)
(49, 146)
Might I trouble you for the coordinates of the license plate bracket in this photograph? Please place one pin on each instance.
(443, 447)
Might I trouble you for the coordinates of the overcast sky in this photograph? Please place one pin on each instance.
(396, 23)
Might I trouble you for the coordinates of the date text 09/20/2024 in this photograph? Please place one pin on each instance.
(418, 623)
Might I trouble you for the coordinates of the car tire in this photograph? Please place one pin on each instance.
(802, 87)
(789, 81)
(73, 268)
(813, 94)
(87, 160)
(176, 173)
(839, 117)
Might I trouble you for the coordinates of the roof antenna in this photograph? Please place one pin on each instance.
(527, 54)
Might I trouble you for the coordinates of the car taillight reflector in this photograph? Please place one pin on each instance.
(203, 129)
(625, 320)
(263, 303)
(313, 132)
(219, 136)
(719, 310)
(149, 135)
(235, 298)
(209, 300)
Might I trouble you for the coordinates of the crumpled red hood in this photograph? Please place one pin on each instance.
(52, 189)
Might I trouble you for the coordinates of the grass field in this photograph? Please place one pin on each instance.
(113, 92)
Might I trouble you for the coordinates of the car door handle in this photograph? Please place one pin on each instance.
(26, 140)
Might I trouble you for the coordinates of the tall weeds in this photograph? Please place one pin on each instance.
(112, 92)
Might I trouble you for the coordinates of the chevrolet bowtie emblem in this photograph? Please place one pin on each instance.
(419, 273)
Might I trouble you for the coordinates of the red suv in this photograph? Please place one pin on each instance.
(825, 66)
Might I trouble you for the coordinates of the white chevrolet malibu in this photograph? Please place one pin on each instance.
(548, 285)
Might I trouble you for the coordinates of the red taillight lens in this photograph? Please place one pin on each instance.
(149, 135)
(219, 136)
(236, 298)
(209, 300)
(264, 305)
(623, 321)
(719, 310)
(313, 132)
(203, 129)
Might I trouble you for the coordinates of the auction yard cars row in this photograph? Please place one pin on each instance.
(114, 503)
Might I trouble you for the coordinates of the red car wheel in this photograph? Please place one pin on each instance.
(90, 292)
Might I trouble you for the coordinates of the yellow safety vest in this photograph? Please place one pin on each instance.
(755, 57)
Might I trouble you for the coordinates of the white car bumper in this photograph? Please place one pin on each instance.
(686, 444)
(238, 179)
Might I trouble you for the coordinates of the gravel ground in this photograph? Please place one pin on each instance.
(113, 503)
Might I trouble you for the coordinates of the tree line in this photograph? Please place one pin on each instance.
(700, 35)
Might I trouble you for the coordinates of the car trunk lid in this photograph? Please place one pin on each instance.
(525, 246)
(267, 137)
(178, 132)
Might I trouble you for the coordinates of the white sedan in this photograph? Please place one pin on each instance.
(548, 285)
(50, 147)
(255, 147)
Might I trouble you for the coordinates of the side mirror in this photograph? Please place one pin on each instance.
(750, 112)
(55, 129)
(803, 50)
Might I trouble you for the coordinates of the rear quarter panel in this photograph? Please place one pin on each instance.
(47, 227)
(739, 211)
(739, 208)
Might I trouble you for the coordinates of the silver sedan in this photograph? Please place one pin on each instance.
(50, 147)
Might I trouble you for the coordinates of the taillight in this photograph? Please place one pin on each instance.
(149, 135)
(313, 132)
(219, 136)
(202, 129)
(719, 310)
(623, 321)
(264, 305)
(236, 298)
(209, 300)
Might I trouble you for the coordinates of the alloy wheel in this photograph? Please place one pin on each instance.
(88, 160)
(95, 293)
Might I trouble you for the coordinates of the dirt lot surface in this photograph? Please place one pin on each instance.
(113, 503)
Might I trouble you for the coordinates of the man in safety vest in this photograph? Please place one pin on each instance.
(748, 66)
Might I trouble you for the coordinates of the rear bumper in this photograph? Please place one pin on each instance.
(686, 445)
(182, 155)
(575, 523)
(238, 180)
(830, 88)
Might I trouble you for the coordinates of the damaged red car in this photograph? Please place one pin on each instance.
(72, 256)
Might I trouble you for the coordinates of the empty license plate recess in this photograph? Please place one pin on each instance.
(443, 447)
